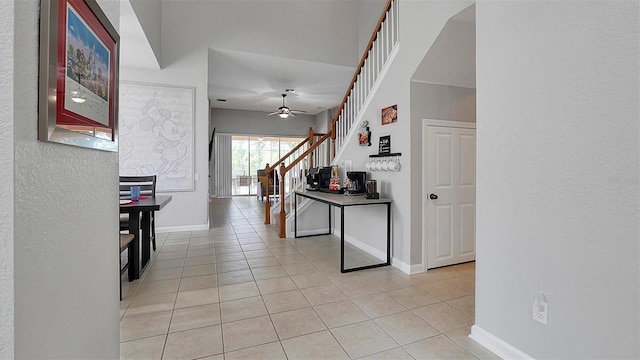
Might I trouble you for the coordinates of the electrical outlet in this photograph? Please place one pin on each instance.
(540, 308)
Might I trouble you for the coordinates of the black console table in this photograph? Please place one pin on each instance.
(342, 201)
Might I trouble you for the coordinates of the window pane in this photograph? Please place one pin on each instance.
(240, 165)
(250, 153)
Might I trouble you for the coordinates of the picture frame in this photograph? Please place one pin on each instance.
(157, 133)
(389, 114)
(79, 66)
(384, 146)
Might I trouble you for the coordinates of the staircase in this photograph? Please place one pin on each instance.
(316, 150)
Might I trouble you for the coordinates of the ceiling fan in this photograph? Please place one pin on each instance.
(284, 112)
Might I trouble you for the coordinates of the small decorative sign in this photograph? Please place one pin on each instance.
(364, 136)
(385, 145)
(390, 114)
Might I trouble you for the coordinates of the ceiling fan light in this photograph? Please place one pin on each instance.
(284, 115)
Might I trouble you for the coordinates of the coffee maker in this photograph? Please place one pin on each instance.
(318, 178)
(355, 182)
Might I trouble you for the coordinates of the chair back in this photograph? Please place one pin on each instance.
(147, 185)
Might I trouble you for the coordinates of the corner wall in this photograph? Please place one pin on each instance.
(558, 146)
(65, 224)
(7, 297)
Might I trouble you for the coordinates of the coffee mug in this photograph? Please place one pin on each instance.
(385, 165)
(396, 165)
(368, 165)
(378, 165)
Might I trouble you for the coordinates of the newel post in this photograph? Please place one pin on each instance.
(267, 215)
(283, 214)
(310, 145)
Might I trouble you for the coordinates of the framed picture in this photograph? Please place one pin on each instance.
(157, 124)
(384, 146)
(389, 114)
(79, 52)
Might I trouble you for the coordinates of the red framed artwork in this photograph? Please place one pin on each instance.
(78, 75)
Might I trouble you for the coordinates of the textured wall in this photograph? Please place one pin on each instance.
(6, 180)
(66, 225)
(557, 183)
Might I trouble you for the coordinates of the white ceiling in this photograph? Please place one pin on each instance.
(253, 58)
(451, 60)
(255, 82)
(255, 73)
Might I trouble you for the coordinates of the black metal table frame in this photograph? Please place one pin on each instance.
(342, 225)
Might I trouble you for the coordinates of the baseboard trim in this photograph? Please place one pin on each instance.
(496, 345)
(395, 262)
(381, 255)
(167, 229)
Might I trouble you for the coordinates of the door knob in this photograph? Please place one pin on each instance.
(433, 196)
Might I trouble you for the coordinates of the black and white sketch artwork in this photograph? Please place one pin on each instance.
(156, 134)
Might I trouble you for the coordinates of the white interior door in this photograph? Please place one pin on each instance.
(451, 195)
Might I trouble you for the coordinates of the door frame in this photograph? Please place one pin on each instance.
(425, 124)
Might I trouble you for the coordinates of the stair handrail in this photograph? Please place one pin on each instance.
(268, 170)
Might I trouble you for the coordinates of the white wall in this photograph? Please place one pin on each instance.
(65, 224)
(6, 180)
(323, 122)
(149, 14)
(558, 176)
(187, 210)
(420, 23)
(228, 121)
(369, 12)
(439, 102)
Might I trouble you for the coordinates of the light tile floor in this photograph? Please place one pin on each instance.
(238, 291)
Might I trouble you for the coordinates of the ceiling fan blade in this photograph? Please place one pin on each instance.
(292, 114)
(274, 113)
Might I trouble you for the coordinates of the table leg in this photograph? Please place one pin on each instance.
(146, 239)
(388, 233)
(342, 239)
(134, 257)
(329, 232)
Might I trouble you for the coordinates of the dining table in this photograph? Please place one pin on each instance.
(140, 222)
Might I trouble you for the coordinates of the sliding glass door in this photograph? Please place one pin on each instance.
(250, 153)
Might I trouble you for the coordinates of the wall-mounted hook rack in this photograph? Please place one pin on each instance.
(385, 155)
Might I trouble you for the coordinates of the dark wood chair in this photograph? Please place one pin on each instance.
(126, 243)
(147, 188)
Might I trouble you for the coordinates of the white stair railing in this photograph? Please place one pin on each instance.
(381, 45)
